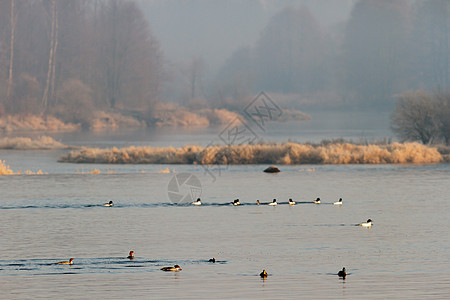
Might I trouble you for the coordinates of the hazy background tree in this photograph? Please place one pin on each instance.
(185, 82)
(27, 57)
(131, 59)
(375, 52)
(235, 80)
(4, 23)
(291, 53)
(430, 44)
(195, 73)
(291, 57)
(13, 17)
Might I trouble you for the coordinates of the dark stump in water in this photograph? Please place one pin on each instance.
(272, 169)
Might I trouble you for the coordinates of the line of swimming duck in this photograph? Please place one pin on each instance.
(274, 202)
(236, 202)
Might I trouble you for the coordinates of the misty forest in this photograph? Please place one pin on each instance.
(97, 65)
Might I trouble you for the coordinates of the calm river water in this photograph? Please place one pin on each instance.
(48, 218)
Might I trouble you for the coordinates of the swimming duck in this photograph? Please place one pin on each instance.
(291, 202)
(257, 202)
(342, 273)
(175, 268)
(213, 260)
(274, 202)
(109, 204)
(198, 202)
(70, 262)
(317, 201)
(339, 202)
(236, 202)
(130, 255)
(263, 274)
(366, 224)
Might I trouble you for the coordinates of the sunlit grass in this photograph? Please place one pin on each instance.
(11, 123)
(25, 143)
(5, 170)
(268, 153)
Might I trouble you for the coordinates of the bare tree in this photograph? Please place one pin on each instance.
(106, 45)
(415, 117)
(11, 55)
(443, 114)
(52, 54)
(131, 58)
(195, 72)
(55, 46)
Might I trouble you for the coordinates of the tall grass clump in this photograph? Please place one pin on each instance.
(267, 153)
(4, 169)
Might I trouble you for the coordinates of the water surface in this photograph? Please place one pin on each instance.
(48, 218)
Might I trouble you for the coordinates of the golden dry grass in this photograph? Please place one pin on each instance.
(25, 143)
(4, 169)
(269, 153)
(109, 121)
(12, 123)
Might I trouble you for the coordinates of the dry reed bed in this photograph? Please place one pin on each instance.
(11, 123)
(5, 170)
(24, 143)
(269, 153)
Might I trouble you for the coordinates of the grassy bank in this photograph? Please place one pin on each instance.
(268, 153)
(25, 143)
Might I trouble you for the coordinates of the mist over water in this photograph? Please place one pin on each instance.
(323, 125)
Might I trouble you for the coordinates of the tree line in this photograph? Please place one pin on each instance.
(385, 48)
(72, 57)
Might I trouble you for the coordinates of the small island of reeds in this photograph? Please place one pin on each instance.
(289, 153)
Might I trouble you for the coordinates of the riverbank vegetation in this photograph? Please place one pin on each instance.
(25, 143)
(267, 153)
